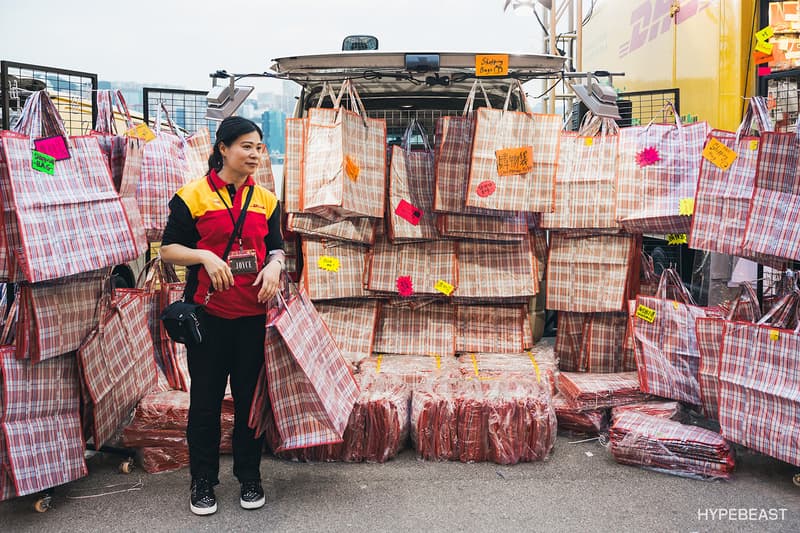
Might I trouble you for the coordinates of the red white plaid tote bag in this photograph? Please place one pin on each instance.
(658, 168)
(772, 227)
(411, 183)
(586, 177)
(759, 378)
(514, 158)
(723, 196)
(311, 388)
(70, 221)
(344, 161)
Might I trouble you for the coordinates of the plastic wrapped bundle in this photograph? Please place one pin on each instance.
(532, 364)
(411, 369)
(668, 410)
(671, 447)
(158, 430)
(573, 420)
(377, 430)
(595, 391)
(505, 421)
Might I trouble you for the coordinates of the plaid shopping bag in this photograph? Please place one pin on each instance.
(593, 273)
(168, 163)
(759, 378)
(422, 265)
(311, 388)
(569, 340)
(293, 163)
(602, 349)
(176, 364)
(358, 230)
(411, 183)
(353, 325)
(344, 161)
(55, 317)
(425, 330)
(117, 364)
(333, 269)
(40, 423)
(482, 227)
(496, 270)
(586, 178)
(658, 168)
(492, 329)
(723, 196)
(499, 132)
(667, 355)
(70, 221)
(772, 227)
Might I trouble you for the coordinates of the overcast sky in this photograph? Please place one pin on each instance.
(180, 42)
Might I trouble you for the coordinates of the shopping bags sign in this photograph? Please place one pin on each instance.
(719, 154)
(43, 163)
(511, 161)
(55, 147)
(491, 65)
(674, 239)
(646, 313)
(408, 212)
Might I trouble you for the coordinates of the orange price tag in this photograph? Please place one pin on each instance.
(142, 131)
(719, 155)
(491, 65)
(511, 161)
(350, 168)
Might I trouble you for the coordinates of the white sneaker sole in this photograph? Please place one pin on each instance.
(253, 505)
(203, 511)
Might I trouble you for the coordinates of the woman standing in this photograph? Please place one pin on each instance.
(234, 289)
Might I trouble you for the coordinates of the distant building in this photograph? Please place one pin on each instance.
(273, 125)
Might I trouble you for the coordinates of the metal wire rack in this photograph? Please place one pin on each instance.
(397, 121)
(73, 92)
(187, 109)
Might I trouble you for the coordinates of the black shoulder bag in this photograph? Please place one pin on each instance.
(181, 319)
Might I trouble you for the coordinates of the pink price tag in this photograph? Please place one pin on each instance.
(408, 212)
(764, 71)
(404, 286)
(55, 147)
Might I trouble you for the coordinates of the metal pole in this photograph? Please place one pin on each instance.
(579, 38)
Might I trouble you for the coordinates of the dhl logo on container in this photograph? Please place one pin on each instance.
(655, 17)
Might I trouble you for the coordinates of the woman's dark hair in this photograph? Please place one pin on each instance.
(228, 131)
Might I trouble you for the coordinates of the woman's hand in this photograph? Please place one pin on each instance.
(269, 280)
(218, 270)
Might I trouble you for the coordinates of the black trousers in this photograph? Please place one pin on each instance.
(232, 347)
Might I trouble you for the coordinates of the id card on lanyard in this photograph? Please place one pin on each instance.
(240, 261)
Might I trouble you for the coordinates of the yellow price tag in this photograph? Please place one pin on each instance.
(588, 141)
(535, 366)
(686, 206)
(474, 364)
(676, 305)
(674, 239)
(142, 131)
(753, 146)
(719, 154)
(774, 334)
(351, 169)
(438, 360)
(764, 48)
(511, 161)
(444, 287)
(378, 364)
(765, 34)
(646, 314)
(331, 264)
(491, 65)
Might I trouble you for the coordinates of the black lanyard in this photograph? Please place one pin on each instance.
(238, 225)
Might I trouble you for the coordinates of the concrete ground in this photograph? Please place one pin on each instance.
(579, 488)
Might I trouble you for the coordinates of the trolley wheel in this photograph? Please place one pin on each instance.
(126, 466)
(796, 480)
(42, 504)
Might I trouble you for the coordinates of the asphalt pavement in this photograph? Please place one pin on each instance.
(579, 488)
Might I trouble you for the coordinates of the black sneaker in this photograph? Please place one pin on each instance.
(203, 500)
(252, 495)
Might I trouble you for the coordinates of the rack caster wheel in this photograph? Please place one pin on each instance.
(126, 466)
(796, 480)
(42, 504)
